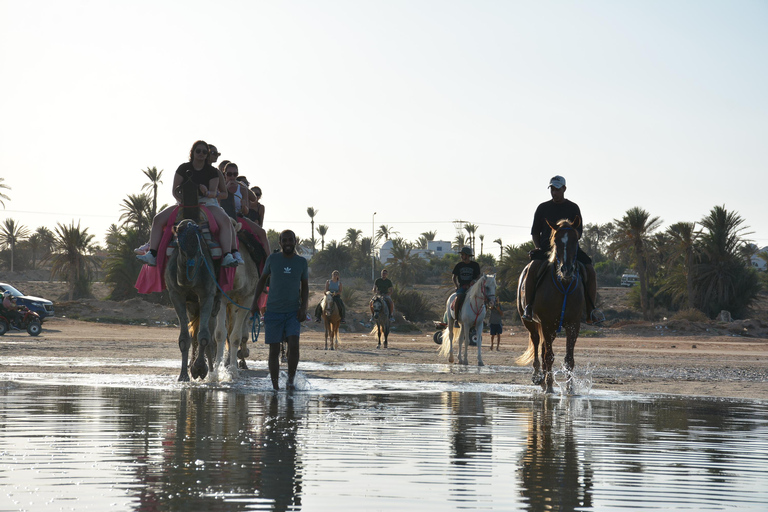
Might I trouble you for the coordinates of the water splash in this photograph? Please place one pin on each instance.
(574, 382)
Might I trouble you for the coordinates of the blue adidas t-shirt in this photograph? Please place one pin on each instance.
(285, 282)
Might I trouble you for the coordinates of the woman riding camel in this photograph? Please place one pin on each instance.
(206, 177)
(334, 286)
(237, 203)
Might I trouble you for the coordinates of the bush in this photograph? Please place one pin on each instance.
(412, 305)
(691, 315)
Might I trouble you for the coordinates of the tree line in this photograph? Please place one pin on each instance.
(703, 265)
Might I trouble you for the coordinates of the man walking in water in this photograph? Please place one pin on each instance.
(286, 305)
(553, 211)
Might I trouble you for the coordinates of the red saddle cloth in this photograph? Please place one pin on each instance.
(151, 278)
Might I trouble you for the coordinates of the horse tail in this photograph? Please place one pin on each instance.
(445, 346)
(375, 330)
(527, 357)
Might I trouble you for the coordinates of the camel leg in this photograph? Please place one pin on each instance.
(243, 353)
(199, 368)
(220, 335)
(180, 305)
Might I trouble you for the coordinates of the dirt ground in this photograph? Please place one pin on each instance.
(716, 366)
(717, 359)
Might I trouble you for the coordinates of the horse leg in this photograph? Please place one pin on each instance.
(180, 305)
(451, 324)
(386, 336)
(534, 338)
(480, 343)
(327, 328)
(548, 357)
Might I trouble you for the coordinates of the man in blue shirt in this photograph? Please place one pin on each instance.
(286, 305)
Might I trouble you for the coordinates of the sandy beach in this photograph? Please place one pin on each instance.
(654, 361)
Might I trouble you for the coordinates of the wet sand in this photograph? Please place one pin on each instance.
(714, 366)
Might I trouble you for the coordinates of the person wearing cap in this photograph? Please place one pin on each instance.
(553, 211)
(465, 273)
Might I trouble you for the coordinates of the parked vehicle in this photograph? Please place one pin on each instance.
(30, 321)
(43, 307)
(629, 279)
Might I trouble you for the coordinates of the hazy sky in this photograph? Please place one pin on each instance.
(422, 111)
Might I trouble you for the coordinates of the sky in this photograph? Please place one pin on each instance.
(412, 114)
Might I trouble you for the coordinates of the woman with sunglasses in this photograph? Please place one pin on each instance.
(206, 177)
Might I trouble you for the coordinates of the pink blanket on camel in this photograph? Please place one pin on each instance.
(151, 278)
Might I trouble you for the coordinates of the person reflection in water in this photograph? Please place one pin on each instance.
(281, 470)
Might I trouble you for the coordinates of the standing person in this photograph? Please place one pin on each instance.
(286, 305)
(334, 286)
(494, 321)
(553, 211)
(206, 177)
(465, 273)
(383, 286)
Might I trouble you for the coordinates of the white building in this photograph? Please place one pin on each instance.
(757, 261)
(437, 248)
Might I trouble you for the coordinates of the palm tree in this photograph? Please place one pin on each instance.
(723, 280)
(482, 238)
(72, 259)
(11, 234)
(471, 229)
(3, 196)
(425, 238)
(352, 238)
(121, 266)
(137, 213)
(403, 265)
(501, 248)
(154, 180)
(385, 232)
(632, 233)
(459, 241)
(312, 212)
(322, 230)
(684, 252)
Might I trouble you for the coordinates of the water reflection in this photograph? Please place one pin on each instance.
(198, 447)
(554, 472)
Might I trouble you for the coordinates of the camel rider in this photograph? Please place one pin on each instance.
(553, 211)
(465, 273)
(383, 286)
(12, 309)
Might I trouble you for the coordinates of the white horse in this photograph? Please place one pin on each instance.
(472, 314)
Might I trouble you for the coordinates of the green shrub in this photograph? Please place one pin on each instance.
(412, 305)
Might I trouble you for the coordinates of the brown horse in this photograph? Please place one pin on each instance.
(332, 319)
(558, 303)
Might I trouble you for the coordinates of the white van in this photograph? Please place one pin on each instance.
(629, 279)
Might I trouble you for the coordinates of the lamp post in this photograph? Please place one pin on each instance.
(373, 246)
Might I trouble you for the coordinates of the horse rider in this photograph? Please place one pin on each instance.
(334, 286)
(383, 286)
(553, 211)
(12, 309)
(465, 273)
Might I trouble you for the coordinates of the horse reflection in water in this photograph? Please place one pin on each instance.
(553, 476)
(558, 304)
(225, 446)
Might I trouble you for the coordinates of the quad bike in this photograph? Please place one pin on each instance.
(29, 321)
(440, 327)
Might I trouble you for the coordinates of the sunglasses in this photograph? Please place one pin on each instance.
(201, 151)
(231, 174)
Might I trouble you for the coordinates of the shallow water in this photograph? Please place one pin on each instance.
(107, 442)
